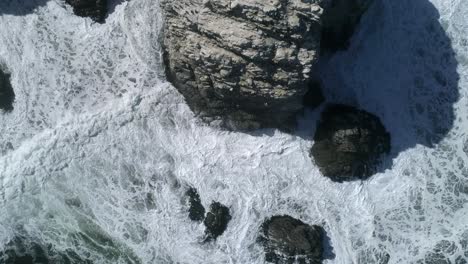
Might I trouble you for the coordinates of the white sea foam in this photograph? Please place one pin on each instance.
(103, 147)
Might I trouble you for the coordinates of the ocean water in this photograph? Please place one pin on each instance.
(99, 149)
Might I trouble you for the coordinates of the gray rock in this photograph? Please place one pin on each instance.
(349, 143)
(7, 95)
(286, 240)
(95, 9)
(244, 64)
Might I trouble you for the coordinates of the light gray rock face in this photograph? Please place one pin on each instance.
(243, 64)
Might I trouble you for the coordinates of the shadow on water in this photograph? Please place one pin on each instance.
(20, 7)
(401, 67)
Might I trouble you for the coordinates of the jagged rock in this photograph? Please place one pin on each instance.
(95, 9)
(216, 220)
(349, 143)
(196, 209)
(340, 20)
(7, 95)
(244, 64)
(286, 240)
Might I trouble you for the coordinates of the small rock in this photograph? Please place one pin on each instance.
(95, 9)
(216, 220)
(7, 95)
(196, 210)
(286, 239)
(349, 143)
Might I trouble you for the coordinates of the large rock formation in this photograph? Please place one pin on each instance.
(7, 95)
(245, 64)
(95, 9)
(286, 240)
(349, 143)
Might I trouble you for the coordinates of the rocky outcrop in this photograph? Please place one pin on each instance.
(216, 221)
(7, 95)
(95, 9)
(242, 64)
(349, 143)
(196, 209)
(286, 240)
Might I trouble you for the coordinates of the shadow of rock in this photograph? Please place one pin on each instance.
(401, 67)
(20, 7)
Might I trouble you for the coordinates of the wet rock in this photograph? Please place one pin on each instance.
(196, 209)
(7, 95)
(216, 220)
(349, 143)
(95, 9)
(286, 240)
(242, 64)
(340, 19)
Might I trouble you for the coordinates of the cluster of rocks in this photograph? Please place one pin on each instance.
(349, 143)
(216, 219)
(7, 95)
(95, 9)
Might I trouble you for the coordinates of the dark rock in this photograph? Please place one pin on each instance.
(340, 19)
(216, 220)
(314, 96)
(95, 9)
(196, 210)
(349, 143)
(7, 95)
(242, 64)
(286, 240)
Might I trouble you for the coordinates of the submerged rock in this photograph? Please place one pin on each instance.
(340, 20)
(7, 95)
(196, 209)
(286, 240)
(22, 251)
(242, 64)
(349, 143)
(95, 9)
(216, 220)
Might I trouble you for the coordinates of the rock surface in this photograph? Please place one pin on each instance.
(243, 64)
(286, 240)
(95, 9)
(196, 209)
(349, 143)
(7, 95)
(216, 220)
